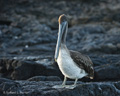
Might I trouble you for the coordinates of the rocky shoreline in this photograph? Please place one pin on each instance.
(28, 34)
(45, 88)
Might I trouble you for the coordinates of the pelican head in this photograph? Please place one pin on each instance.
(63, 26)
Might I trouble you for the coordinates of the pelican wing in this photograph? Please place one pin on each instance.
(82, 61)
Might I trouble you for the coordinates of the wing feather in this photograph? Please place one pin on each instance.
(83, 61)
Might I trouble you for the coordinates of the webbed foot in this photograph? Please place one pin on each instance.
(70, 86)
(58, 86)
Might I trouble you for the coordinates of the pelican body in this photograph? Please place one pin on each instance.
(72, 64)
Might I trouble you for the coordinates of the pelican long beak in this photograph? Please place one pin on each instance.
(62, 29)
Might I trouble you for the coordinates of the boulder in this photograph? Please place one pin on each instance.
(29, 69)
(108, 72)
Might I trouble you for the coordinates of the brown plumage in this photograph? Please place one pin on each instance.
(83, 61)
(72, 64)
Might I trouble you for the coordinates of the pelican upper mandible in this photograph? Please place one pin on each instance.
(72, 64)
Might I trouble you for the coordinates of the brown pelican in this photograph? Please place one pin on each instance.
(72, 64)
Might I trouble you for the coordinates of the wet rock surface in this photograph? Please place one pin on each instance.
(28, 34)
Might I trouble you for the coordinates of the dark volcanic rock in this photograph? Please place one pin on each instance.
(33, 28)
(108, 72)
(28, 35)
(19, 69)
(44, 88)
(97, 43)
(101, 60)
(104, 65)
(29, 69)
(44, 78)
(7, 66)
(9, 87)
(5, 80)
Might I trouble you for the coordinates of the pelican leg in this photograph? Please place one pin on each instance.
(63, 84)
(75, 82)
(64, 81)
(72, 86)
